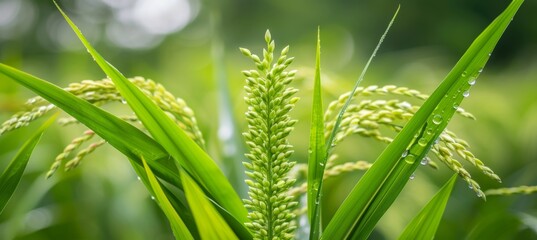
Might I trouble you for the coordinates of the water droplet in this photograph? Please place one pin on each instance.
(466, 93)
(437, 119)
(480, 70)
(479, 194)
(472, 81)
(123, 101)
(316, 186)
(455, 106)
(422, 142)
(429, 131)
(405, 153)
(412, 176)
(410, 159)
(321, 164)
(425, 161)
(139, 179)
(464, 74)
(153, 198)
(470, 186)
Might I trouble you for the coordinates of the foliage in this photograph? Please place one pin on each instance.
(199, 200)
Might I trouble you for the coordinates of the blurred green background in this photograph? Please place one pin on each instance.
(191, 47)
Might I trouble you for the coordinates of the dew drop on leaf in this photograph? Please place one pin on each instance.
(472, 81)
(316, 186)
(405, 153)
(466, 93)
(437, 119)
(422, 142)
(410, 159)
(412, 176)
(424, 161)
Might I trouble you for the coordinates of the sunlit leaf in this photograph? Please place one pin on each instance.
(179, 228)
(383, 182)
(210, 224)
(317, 150)
(425, 224)
(183, 149)
(106, 125)
(232, 142)
(12, 175)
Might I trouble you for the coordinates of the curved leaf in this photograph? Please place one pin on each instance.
(382, 183)
(317, 150)
(13, 173)
(210, 224)
(183, 149)
(425, 224)
(179, 228)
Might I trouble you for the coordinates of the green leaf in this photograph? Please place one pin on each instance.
(317, 150)
(13, 173)
(383, 182)
(106, 125)
(177, 201)
(183, 149)
(210, 224)
(231, 141)
(179, 228)
(425, 224)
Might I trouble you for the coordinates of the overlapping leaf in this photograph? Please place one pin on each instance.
(382, 183)
(210, 224)
(185, 151)
(178, 226)
(425, 224)
(12, 175)
(317, 150)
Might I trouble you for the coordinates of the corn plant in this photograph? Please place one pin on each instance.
(167, 150)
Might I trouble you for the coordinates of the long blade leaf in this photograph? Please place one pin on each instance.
(179, 203)
(179, 228)
(183, 149)
(382, 183)
(13, 173)
(106, 125)
(210, 224)
(317, 150)
(425, 224)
